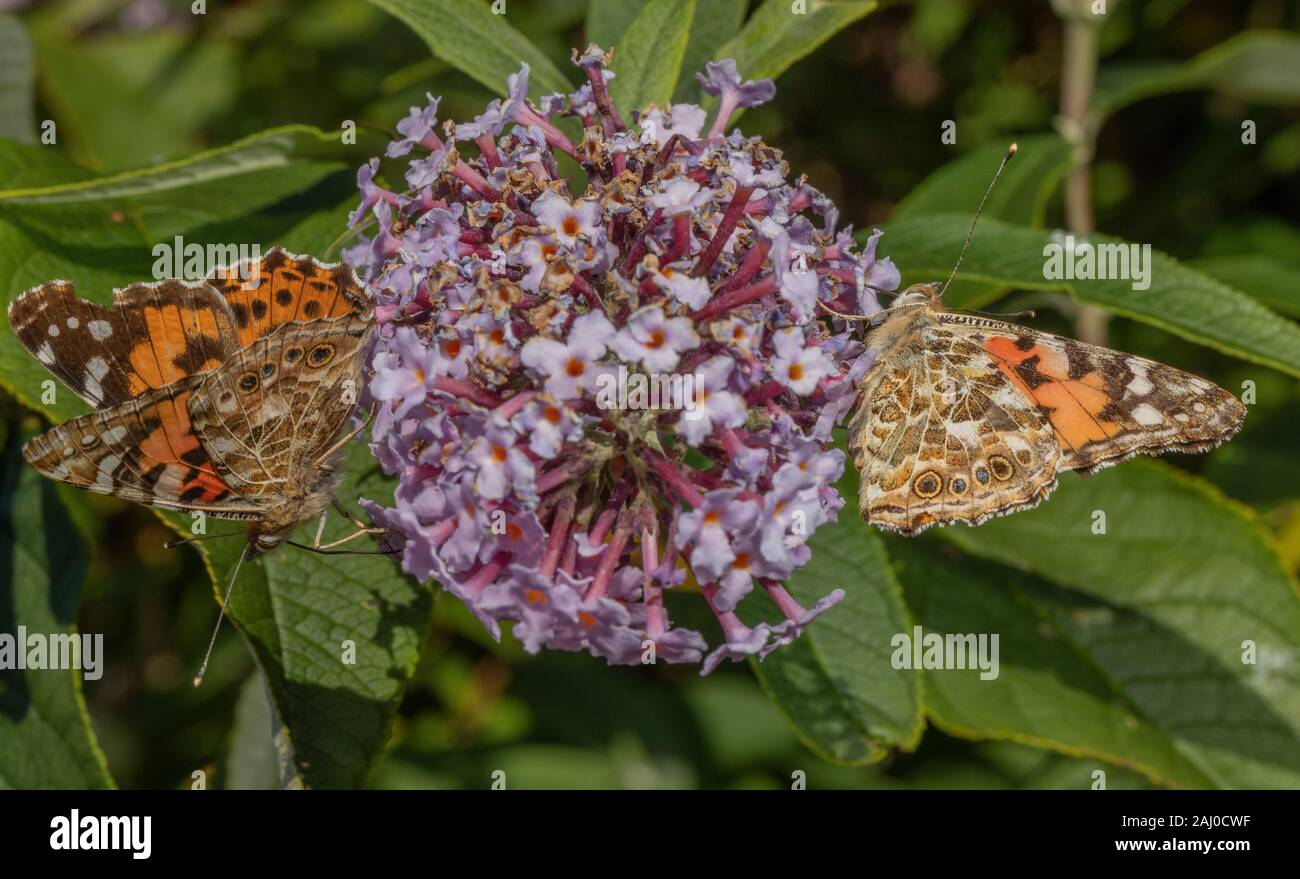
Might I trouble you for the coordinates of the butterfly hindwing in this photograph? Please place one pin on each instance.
(941, 436)
(143, 450)
(268, 414)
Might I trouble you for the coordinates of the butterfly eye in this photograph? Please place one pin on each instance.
(320, 355)
(248, 382)
(268, 370)
(292, 355)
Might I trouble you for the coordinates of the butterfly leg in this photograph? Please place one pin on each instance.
(352, 536)
(362, 527)
(320, 529)
(343, 511)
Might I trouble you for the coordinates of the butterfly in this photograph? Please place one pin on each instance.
(229, 396)
(964, 417)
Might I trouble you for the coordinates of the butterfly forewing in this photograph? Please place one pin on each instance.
(282, 288)
(151, 336)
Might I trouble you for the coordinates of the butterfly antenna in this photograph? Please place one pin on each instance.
(1011, 151)
(203, 669)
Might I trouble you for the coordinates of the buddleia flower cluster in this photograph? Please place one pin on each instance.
(526, 325)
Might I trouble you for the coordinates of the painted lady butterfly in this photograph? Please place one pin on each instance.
(963, 417)
(230, 396)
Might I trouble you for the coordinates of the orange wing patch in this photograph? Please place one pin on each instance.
(176, 340)
(1074, 405)
(283, 288)
(144, 451)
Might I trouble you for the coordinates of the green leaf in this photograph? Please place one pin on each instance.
(1021, 195)
(173, 198)
(1160, 610)
(251, 759)
(125, 100)
(468, 36)
(834, 682)
(46, 740)
(1269, 279)
(649, 56)
(297, 609)
(607, 20)
(1260, 466)
(775, 37)
(1049, 692)
(715, 23)
(1180, 300)
(1257, 65)
(17, 75)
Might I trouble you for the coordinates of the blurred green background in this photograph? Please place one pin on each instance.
(133, 84)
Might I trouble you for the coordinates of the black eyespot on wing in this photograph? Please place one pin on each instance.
(320, 355)
(248, 382)
(259, 309)
(311, 308)
(292, 355)
(1001, 467)
(982, 474)
(283, 297)
(927, 485)
(268, 370)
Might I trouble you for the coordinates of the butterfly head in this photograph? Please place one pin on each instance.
(261, 540)
(918, 295)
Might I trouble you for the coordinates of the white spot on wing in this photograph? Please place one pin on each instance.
(100, 329)
(45, 354)
(53, 330)
(73, 323)
(1147, 415)
(107, 464)
(1140, 385)
(97, 367)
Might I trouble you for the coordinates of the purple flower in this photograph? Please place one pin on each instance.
(797, 365)
(507, 298)
(567, 221)
(569, 367)
(721, 79)
(655, 340)
(416, 128)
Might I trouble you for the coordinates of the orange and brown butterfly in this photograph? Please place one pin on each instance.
(963, 417)
(230, 395)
